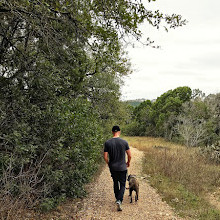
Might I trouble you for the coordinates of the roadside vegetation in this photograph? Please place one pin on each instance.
(61, 68)
(182, 115)
(184, 176)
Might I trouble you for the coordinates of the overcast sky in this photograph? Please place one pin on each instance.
(189, 55)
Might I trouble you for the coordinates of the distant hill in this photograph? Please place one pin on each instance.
(135, 102)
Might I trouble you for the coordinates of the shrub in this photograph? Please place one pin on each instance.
(51, 153)
(212, 151)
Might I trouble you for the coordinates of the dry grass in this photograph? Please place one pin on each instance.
(12, 207)
(182, 175)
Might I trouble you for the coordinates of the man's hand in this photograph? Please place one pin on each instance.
(128, 152)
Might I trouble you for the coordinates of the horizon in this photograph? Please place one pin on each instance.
(151, 99)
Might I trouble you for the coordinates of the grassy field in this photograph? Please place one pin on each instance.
(183, 177)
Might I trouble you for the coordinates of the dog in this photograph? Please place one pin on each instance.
(133, 186)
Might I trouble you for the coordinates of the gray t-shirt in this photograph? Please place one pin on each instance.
(116, 148)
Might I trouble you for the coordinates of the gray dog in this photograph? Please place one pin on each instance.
(133, 186)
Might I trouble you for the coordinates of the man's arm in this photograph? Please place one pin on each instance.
(106, 157)
(128, 152)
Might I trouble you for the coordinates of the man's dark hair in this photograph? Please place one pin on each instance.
(115, 128)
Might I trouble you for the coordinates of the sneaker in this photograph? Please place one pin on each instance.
(119, 208)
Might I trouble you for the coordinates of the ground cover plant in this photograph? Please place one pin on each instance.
(182, 176)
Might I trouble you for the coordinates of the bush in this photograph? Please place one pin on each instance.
(212, 151)
(132, 129)
(50, 153)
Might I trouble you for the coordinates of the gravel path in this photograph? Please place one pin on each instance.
(100, 202)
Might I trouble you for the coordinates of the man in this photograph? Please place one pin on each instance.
(114, 155)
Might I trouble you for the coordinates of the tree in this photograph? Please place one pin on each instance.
(60, 65)
(141, 113)
(158, 118)
(193, 132)
(196, 124)
(213, 103)
(167, 105)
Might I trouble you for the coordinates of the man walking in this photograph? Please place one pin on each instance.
(114, 155)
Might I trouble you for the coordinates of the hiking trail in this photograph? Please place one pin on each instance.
(99, 205)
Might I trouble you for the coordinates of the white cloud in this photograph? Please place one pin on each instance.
(189, 56)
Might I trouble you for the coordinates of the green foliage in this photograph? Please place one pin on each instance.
(180, 115)
(153, 117)
(78, 147)
(63, 149)
(168, 103)
(132, 129)
(61, 64)
(50, 203)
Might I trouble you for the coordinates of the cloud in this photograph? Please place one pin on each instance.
(189, 56)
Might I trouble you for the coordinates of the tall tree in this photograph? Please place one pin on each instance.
(166, 105)
(60, 62)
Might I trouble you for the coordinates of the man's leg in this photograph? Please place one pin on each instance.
(122, 181)
(114, 176)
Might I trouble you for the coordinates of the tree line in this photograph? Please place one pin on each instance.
(181, 114)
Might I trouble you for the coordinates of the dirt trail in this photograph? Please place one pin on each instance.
(100, 202)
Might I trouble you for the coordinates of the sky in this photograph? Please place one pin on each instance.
(188, 55)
